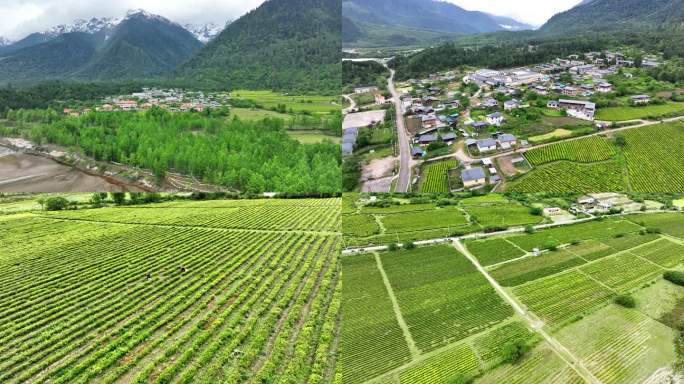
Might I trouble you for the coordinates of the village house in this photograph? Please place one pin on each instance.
(427, 139)
(360, 90)
(641, 99)
(479, 124)
(473, 177)
(540, 90)
(490, 103)
(506, 141)
(604, 87)
(512, 104)
(379, 98)
(570, 91)
(496, 118)
(417, 152)
(584, 110)
(127, 105)
(429, 121)
(552, 104)
(486, 145)
(449, 137)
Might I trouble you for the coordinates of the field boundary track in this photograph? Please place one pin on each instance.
(568, 357)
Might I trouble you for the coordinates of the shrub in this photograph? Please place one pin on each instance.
(675, 277)
(529, 229)
(626, 301)
(392, 247)
(409, 245)
(514, 351)
(536, 211)
(551, 245)
(56, 204)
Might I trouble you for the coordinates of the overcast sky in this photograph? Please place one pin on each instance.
(19, 18)
(535, 12)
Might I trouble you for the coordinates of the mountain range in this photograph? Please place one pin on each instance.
(388, 22)
(283, 44)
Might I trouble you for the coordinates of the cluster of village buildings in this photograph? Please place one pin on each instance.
(173, 100)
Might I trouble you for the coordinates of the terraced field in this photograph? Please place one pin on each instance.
(587, 150)
(435, 179)
(242, 291)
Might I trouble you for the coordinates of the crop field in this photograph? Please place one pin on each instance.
(601, 229)
(315, 104)
(436, 320)
(649, 162)
(633, 113)
(532, 268)
(620, 345)
(506, 215)
(570, 177)
(116, 295)
(372, 341)
(541, 366)
(562, 297)
(359, 225)
(423, 220)
(669, 223)
(663, 252)
(435, 178)
(653, 155)
(623, 272)
(493, 251)
(587, 150)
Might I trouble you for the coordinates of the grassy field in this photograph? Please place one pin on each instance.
(313, 137)
(557, 134)
(633, 113)
(185, 291)
(257, 114)
(321, 105)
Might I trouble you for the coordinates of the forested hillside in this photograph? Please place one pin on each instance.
(291, 45)
(251, 156)
(600, 15)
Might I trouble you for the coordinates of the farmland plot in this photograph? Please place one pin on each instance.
(623, 272)
(108, 301)
(425, 220)
(587, 150)
(669, 223)
(662, 252)
(569, 177)
(532, 268)
(493, 251)
(436, 179)
(372, 342)
(503, 215)
(654, 157)
(560, 298)
(620, 345)
(442, 296)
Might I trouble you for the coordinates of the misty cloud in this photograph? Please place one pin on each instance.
(19, 18)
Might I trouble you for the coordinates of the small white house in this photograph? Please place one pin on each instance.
(496, 118)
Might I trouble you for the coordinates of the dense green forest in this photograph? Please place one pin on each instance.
(360, 73)
(292, 45)
(251, 156)
(59, 94)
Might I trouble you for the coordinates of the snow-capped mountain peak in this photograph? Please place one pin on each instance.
(204, 33)
(93, 25)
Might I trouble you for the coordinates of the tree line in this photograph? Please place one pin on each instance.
(250, 156)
